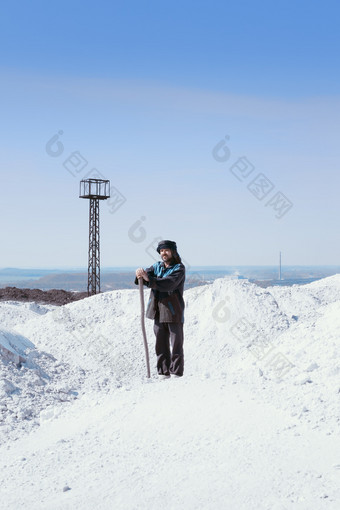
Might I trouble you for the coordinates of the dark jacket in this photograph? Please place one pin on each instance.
(166, 301)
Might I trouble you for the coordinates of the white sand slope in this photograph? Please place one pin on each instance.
(253, 424)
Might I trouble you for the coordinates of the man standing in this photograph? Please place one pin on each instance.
(166, 307)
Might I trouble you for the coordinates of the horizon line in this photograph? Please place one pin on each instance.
(85, 269)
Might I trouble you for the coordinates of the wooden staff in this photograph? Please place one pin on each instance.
(142, 320)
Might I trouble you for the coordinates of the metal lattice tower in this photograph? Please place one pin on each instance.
(94, 190)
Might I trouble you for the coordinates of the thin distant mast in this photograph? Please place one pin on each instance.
(280, 266)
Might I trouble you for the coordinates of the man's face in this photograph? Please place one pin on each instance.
(166, 255)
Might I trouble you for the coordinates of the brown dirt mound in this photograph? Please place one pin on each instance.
(47, 297)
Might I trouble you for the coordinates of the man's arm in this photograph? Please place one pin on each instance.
(167, 283)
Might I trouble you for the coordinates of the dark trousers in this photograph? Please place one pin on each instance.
(169, 361)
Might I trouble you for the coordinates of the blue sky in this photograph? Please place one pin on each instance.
(143, 94)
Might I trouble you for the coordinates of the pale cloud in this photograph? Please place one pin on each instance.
(172, 98)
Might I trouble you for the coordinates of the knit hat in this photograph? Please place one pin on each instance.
(162, 245)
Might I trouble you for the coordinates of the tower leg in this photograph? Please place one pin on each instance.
(93, 280)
